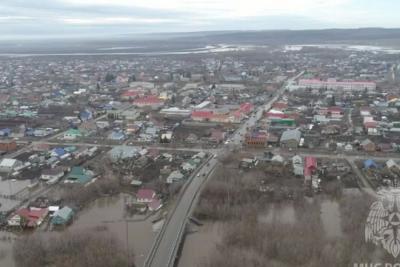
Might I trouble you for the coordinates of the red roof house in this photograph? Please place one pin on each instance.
(145, 195)
(152, 101)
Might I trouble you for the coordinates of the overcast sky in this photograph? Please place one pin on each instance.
(57, 18)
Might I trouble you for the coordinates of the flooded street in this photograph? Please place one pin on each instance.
(134, 232)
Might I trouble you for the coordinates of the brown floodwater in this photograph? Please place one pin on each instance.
(6, 244)
(134, 232)
(200, 244)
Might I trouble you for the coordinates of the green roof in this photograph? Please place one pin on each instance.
(62, 216)
(75, 132)
(80, 175)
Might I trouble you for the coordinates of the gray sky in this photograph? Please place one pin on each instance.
(60, 18)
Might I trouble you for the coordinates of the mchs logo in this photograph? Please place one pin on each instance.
(383, 223)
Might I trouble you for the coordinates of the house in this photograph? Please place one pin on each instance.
(298, 166)
(79, 175)
(166, 137)
(385, 147)
(290, 138)
(248, 163)
(149, 101)
(202, 115)
(310, 163)
(131, 93)
(8, 145)
(90, 127)
(85, 115)
(5, 132)
(368, 145)
(145, 195)
(28, 217)
(393, 166)
(217, 136)
(58, 152)
(116, 136)
(369, 164)
(62, 216)
(277, 158)
(175, 176)
(38, 147)
(256, 138)
(155, 205)
(371, 127)
(188, 166)
(123, 153)
(335, 113)
(53, 174)
(8, 165)
(72, 134)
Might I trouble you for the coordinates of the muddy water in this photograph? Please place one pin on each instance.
(331, 220)
(6, 244)
(200, 244)
(107, 212)
(286, 214)
(135, 232)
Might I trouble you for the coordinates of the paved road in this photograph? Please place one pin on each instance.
(169, 243)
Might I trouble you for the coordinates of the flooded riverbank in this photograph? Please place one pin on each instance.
(199, 245)
(134, 231)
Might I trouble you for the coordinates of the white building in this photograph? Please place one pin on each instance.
(175, 176)
(8, 165)
(332, 84)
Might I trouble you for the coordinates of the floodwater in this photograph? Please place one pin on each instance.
(219, 48)
(134, 232)
(200, 244)
(348, 47)
(286, 214)
(331, 220)
(6, 244)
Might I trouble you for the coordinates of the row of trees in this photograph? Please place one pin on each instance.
(79, 249)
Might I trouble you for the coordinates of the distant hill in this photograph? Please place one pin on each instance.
(193, 40)
(277, 37)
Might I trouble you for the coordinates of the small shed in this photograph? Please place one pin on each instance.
(62, 216)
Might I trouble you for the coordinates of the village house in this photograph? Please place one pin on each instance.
(8, 145)
(368, 145)
(28, 217)
(149, 101)
(53, 174)
(8, 165)
(256, 138)
(290, 138)
(62, 216)
(298, 166)
(145, 195)
(79, 175)
(175, 176)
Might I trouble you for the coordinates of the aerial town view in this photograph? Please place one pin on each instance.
(201, 146)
